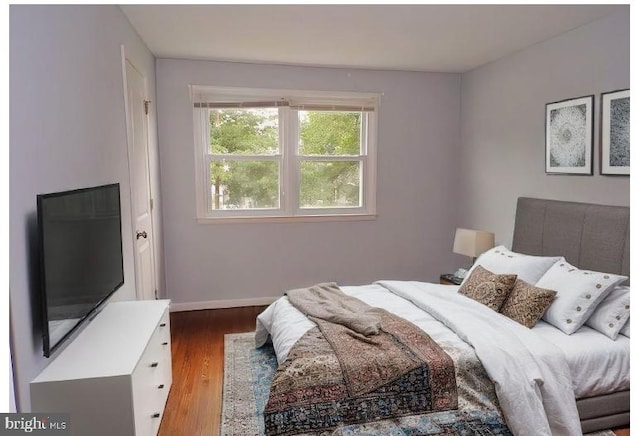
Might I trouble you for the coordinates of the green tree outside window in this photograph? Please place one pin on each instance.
(250, 184)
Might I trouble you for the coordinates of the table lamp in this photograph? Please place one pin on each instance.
(472, 243)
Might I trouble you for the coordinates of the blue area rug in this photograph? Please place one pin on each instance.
(247, 377)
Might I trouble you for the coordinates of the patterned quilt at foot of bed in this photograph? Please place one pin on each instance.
(318, 389)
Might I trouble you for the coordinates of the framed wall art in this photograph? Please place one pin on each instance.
(615, 146)
(569, 136)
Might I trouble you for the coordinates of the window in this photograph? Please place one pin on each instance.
(284, 154)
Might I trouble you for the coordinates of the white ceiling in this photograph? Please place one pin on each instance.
(449, 38)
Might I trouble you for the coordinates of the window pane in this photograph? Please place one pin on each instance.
(243, 131)
(244, 185)
(329, 184)
(329, 133)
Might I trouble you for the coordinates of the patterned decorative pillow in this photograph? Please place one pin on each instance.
(579, 293)
(612, 314)
(526, 303)
(488, 288)
(501, 260)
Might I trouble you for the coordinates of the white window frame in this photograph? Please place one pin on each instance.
(288, 157)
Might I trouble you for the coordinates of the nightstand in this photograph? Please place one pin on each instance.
(450, 279)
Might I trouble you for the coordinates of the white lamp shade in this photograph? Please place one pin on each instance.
(472, 243)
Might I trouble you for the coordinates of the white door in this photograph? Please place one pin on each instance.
(141, 202)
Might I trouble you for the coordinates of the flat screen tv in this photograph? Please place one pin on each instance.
(80, 250)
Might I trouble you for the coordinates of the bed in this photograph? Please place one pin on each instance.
(590, 236)
(536, 381)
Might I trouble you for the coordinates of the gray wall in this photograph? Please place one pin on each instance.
(67, 130)
(410, 239)
(503, 112)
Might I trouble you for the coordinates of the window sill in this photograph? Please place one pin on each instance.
(286, 219)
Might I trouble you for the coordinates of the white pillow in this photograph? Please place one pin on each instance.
(612, 314)
(501, 260)
(626, 329)
(578, 294)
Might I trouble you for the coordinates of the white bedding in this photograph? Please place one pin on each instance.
(291, 324)
(531, 374)
(598, 365)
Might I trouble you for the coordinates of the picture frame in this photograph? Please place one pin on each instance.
(569, 136)
(615, 122)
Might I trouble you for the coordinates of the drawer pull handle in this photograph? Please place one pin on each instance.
(165, 343)
(164, 324)
(154, 364)
(155, 415)
(161, 387)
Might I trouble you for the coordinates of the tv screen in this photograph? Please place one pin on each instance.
(80, 257)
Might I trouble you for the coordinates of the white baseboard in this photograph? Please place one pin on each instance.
(222, 304)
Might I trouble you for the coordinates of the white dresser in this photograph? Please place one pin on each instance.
(114, 378)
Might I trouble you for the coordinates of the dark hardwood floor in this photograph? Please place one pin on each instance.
(197, 347)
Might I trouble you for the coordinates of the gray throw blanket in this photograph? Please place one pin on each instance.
(327, 302)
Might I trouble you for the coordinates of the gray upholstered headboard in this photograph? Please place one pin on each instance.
(589, 236)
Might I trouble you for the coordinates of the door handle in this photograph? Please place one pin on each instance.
(142, 234)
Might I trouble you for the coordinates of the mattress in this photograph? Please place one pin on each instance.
(595, 365)
(598, 365)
